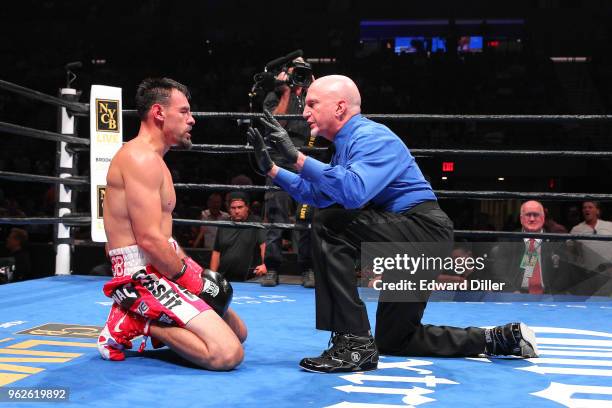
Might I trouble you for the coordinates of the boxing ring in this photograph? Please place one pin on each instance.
(49, 326)
(575, 363)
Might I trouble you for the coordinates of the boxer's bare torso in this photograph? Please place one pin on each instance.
(132, 159)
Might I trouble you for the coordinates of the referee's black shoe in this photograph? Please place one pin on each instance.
(512, 339)
(348, 353)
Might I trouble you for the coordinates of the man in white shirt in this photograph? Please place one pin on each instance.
(207, 234)
(593, 255)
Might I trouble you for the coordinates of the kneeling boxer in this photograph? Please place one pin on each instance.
(142, 295)
(157, 290)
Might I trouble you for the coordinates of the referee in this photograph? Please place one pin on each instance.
(372, 191)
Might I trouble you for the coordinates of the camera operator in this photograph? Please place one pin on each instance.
(288, 98)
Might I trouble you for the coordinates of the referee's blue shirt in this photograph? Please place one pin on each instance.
(371, 165)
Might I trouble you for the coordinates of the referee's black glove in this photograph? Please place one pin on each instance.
(264, 162)
(279, 138)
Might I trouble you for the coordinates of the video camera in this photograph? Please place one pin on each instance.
(300, 75)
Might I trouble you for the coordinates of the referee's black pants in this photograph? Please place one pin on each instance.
(337, 237)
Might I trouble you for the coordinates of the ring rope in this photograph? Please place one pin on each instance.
(219, 148)
(74, 181)
(414, 117)
(542, 235)
(41, 134)
(216, 148)
(39, 96)
(528, 153)
(224, 187)
(84, 221)
(439, 193)
(227, 149)
(75, 149)
(68, 220)
(523, 195)
(244, 225)
(82, 181)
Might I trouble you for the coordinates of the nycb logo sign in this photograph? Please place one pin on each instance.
(107, 118)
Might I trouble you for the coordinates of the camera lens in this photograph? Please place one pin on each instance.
(301, 76)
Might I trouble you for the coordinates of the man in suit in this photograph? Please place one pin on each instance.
(532, 265)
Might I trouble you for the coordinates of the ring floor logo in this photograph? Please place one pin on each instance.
(21, 358)
(574, 370)
(579, 363)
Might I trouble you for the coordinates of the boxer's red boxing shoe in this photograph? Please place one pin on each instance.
(121, 327)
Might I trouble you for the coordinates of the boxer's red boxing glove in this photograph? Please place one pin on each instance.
(190, 276)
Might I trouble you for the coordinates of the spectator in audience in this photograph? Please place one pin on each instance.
(550, 225)
(572, 217)
(241, 180)
(592, 255)
(256, 208)
(13, 208)
(531, 265)
(207, 234)
(463, 250)
(236, 250)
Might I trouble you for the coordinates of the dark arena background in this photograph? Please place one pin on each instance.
(499, 102)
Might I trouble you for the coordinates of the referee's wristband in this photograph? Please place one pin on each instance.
(182, 272)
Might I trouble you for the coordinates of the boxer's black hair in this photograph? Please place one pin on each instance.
(156, 90)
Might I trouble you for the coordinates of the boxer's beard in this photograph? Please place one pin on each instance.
(185, 143)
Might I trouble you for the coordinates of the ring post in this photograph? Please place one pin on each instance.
(65, 167)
